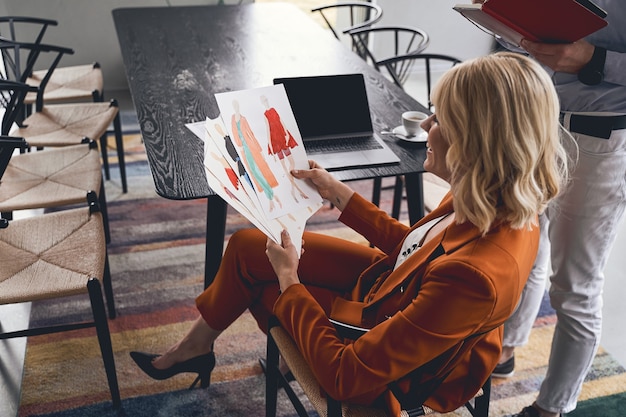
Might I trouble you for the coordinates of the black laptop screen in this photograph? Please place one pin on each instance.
(328, 107)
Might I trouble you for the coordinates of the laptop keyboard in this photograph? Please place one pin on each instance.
(364, 143)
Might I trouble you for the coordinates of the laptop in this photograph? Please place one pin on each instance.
(333, 116)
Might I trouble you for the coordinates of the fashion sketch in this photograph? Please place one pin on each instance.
(253, 158)
(222, 176)
(241, 133)
(232, 153)
(280, 144)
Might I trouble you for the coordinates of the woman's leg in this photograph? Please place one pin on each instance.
(246, 280)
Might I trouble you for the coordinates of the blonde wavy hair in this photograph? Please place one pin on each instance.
(500, 115)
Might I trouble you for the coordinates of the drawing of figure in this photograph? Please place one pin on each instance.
(230, 173)
(280, 144)
(253, 156)
(232, 152)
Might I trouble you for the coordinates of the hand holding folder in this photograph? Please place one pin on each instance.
(553, 21)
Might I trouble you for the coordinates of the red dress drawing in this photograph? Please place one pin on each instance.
(278, 134)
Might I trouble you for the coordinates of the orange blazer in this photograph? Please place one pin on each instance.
(421, 313)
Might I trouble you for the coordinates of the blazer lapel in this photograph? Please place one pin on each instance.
(453, 237)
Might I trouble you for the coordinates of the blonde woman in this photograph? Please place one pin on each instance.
(433, 294)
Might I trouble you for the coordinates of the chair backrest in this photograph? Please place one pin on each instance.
(24, 28)
(400, 68)
(18, 61)
(8, 144)
(377, 43)
(345, 16)
(12, 94)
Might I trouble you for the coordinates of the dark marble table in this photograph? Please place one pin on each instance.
(177, 58)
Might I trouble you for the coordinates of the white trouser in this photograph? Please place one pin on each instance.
(582, 226)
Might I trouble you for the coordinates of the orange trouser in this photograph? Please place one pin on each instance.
(329, 267)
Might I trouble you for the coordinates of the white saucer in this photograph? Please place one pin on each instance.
(400, 133)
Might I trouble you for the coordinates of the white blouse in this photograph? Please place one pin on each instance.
(414, 240)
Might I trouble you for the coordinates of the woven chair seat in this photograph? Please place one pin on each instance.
(50, 256)
(73, 83)
(305, 377)
(50, 178)
(67, 124)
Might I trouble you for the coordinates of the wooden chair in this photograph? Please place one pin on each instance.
(58, 255)
(52, 178)
(69, 83)
(59, 124)
(280, 344)
(55, 178)
(400, 67)
(356, 14)
(391, 41)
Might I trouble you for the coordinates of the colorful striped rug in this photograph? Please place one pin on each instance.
(157, 265)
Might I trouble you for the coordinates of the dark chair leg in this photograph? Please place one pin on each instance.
(481, 405)
(271, 377)
(333, 407)
(378, 184)
(119, 143)
(274, 378)
(105, 156)
(398, 189)
(102, 202)
(108, 288)
(104, 339)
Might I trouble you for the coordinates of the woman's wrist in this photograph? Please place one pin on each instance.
(342, 196)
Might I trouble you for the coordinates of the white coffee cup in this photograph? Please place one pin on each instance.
(411, 120)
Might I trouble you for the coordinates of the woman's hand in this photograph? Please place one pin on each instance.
(328, 186)
(284, 260)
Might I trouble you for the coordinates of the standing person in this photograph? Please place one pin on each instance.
(436, 293)
(581, 225)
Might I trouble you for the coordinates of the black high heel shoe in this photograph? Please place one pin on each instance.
(202, 365)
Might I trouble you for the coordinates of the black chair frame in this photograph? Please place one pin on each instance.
(99, 322)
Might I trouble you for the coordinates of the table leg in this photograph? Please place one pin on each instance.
(215, 230)
(414, 196)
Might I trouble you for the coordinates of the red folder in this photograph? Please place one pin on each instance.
(554, 21)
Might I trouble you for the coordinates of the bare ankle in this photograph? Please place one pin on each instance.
(507, 353)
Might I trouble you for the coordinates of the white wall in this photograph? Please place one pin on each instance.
(87, 27)
(450, 33)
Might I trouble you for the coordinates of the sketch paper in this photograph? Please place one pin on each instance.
(249, 153)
